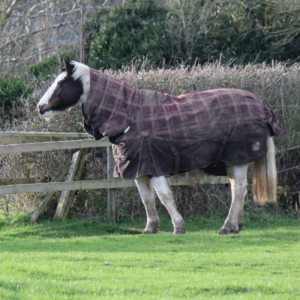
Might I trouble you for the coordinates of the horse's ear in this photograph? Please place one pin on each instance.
(67, 65)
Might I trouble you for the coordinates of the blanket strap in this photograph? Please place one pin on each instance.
(221, 150)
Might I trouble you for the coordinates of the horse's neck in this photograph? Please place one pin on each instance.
(112, 104)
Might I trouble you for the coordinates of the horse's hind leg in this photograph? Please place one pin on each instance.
(238, 178)
(148, 197)
(165, 195)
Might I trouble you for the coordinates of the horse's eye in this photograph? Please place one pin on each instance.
(60, 83)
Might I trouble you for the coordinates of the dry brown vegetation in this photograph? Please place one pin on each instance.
(278, 84)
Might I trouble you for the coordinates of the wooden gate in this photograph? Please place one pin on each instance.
(49, 141)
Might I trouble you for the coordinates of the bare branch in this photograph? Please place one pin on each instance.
(39, 31)
(6, 15)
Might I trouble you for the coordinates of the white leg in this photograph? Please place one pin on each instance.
(148, 197)
(238, 178)
(165, 195)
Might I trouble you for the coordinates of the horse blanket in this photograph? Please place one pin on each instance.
(159, 134)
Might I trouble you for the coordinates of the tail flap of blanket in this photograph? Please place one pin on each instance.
(272, 121)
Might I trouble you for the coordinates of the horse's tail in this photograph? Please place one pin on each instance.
(264, 183)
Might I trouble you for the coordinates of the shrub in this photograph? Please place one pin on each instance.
(10, 90)
(185, 31)
(133, 31)
(246, 31)
(49, 65)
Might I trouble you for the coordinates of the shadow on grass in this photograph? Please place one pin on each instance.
(61, 230)
(12, 229)
(202, 233)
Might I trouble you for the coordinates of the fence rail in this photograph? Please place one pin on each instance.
(99, 184)
(12, 137)
(50, 146)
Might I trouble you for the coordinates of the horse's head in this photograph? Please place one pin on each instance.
(69, 89)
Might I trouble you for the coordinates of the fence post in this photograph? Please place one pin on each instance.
(65, 200)
(111, 203)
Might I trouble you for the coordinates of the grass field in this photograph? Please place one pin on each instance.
(90, 260)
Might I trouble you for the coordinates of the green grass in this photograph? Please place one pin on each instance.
(89, 260)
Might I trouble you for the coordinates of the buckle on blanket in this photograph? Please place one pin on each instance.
(255, 146)
(144, 133)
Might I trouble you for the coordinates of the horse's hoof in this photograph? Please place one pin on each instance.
(151, 227)
(151, 230)
(179, 230)
(224, 231)
(229, 227)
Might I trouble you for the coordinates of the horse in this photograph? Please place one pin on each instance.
(155, 135)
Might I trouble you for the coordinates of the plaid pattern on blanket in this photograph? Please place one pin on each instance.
(218, 125)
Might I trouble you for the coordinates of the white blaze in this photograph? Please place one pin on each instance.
(47, 96)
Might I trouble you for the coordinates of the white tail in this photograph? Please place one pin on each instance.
(264, 182)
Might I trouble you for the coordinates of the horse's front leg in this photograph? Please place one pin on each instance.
(148, 197)
(165, 195)
(238, 178)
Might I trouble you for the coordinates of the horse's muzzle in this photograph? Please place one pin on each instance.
(43, 108)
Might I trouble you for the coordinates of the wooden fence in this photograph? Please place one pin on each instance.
(49, 141)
